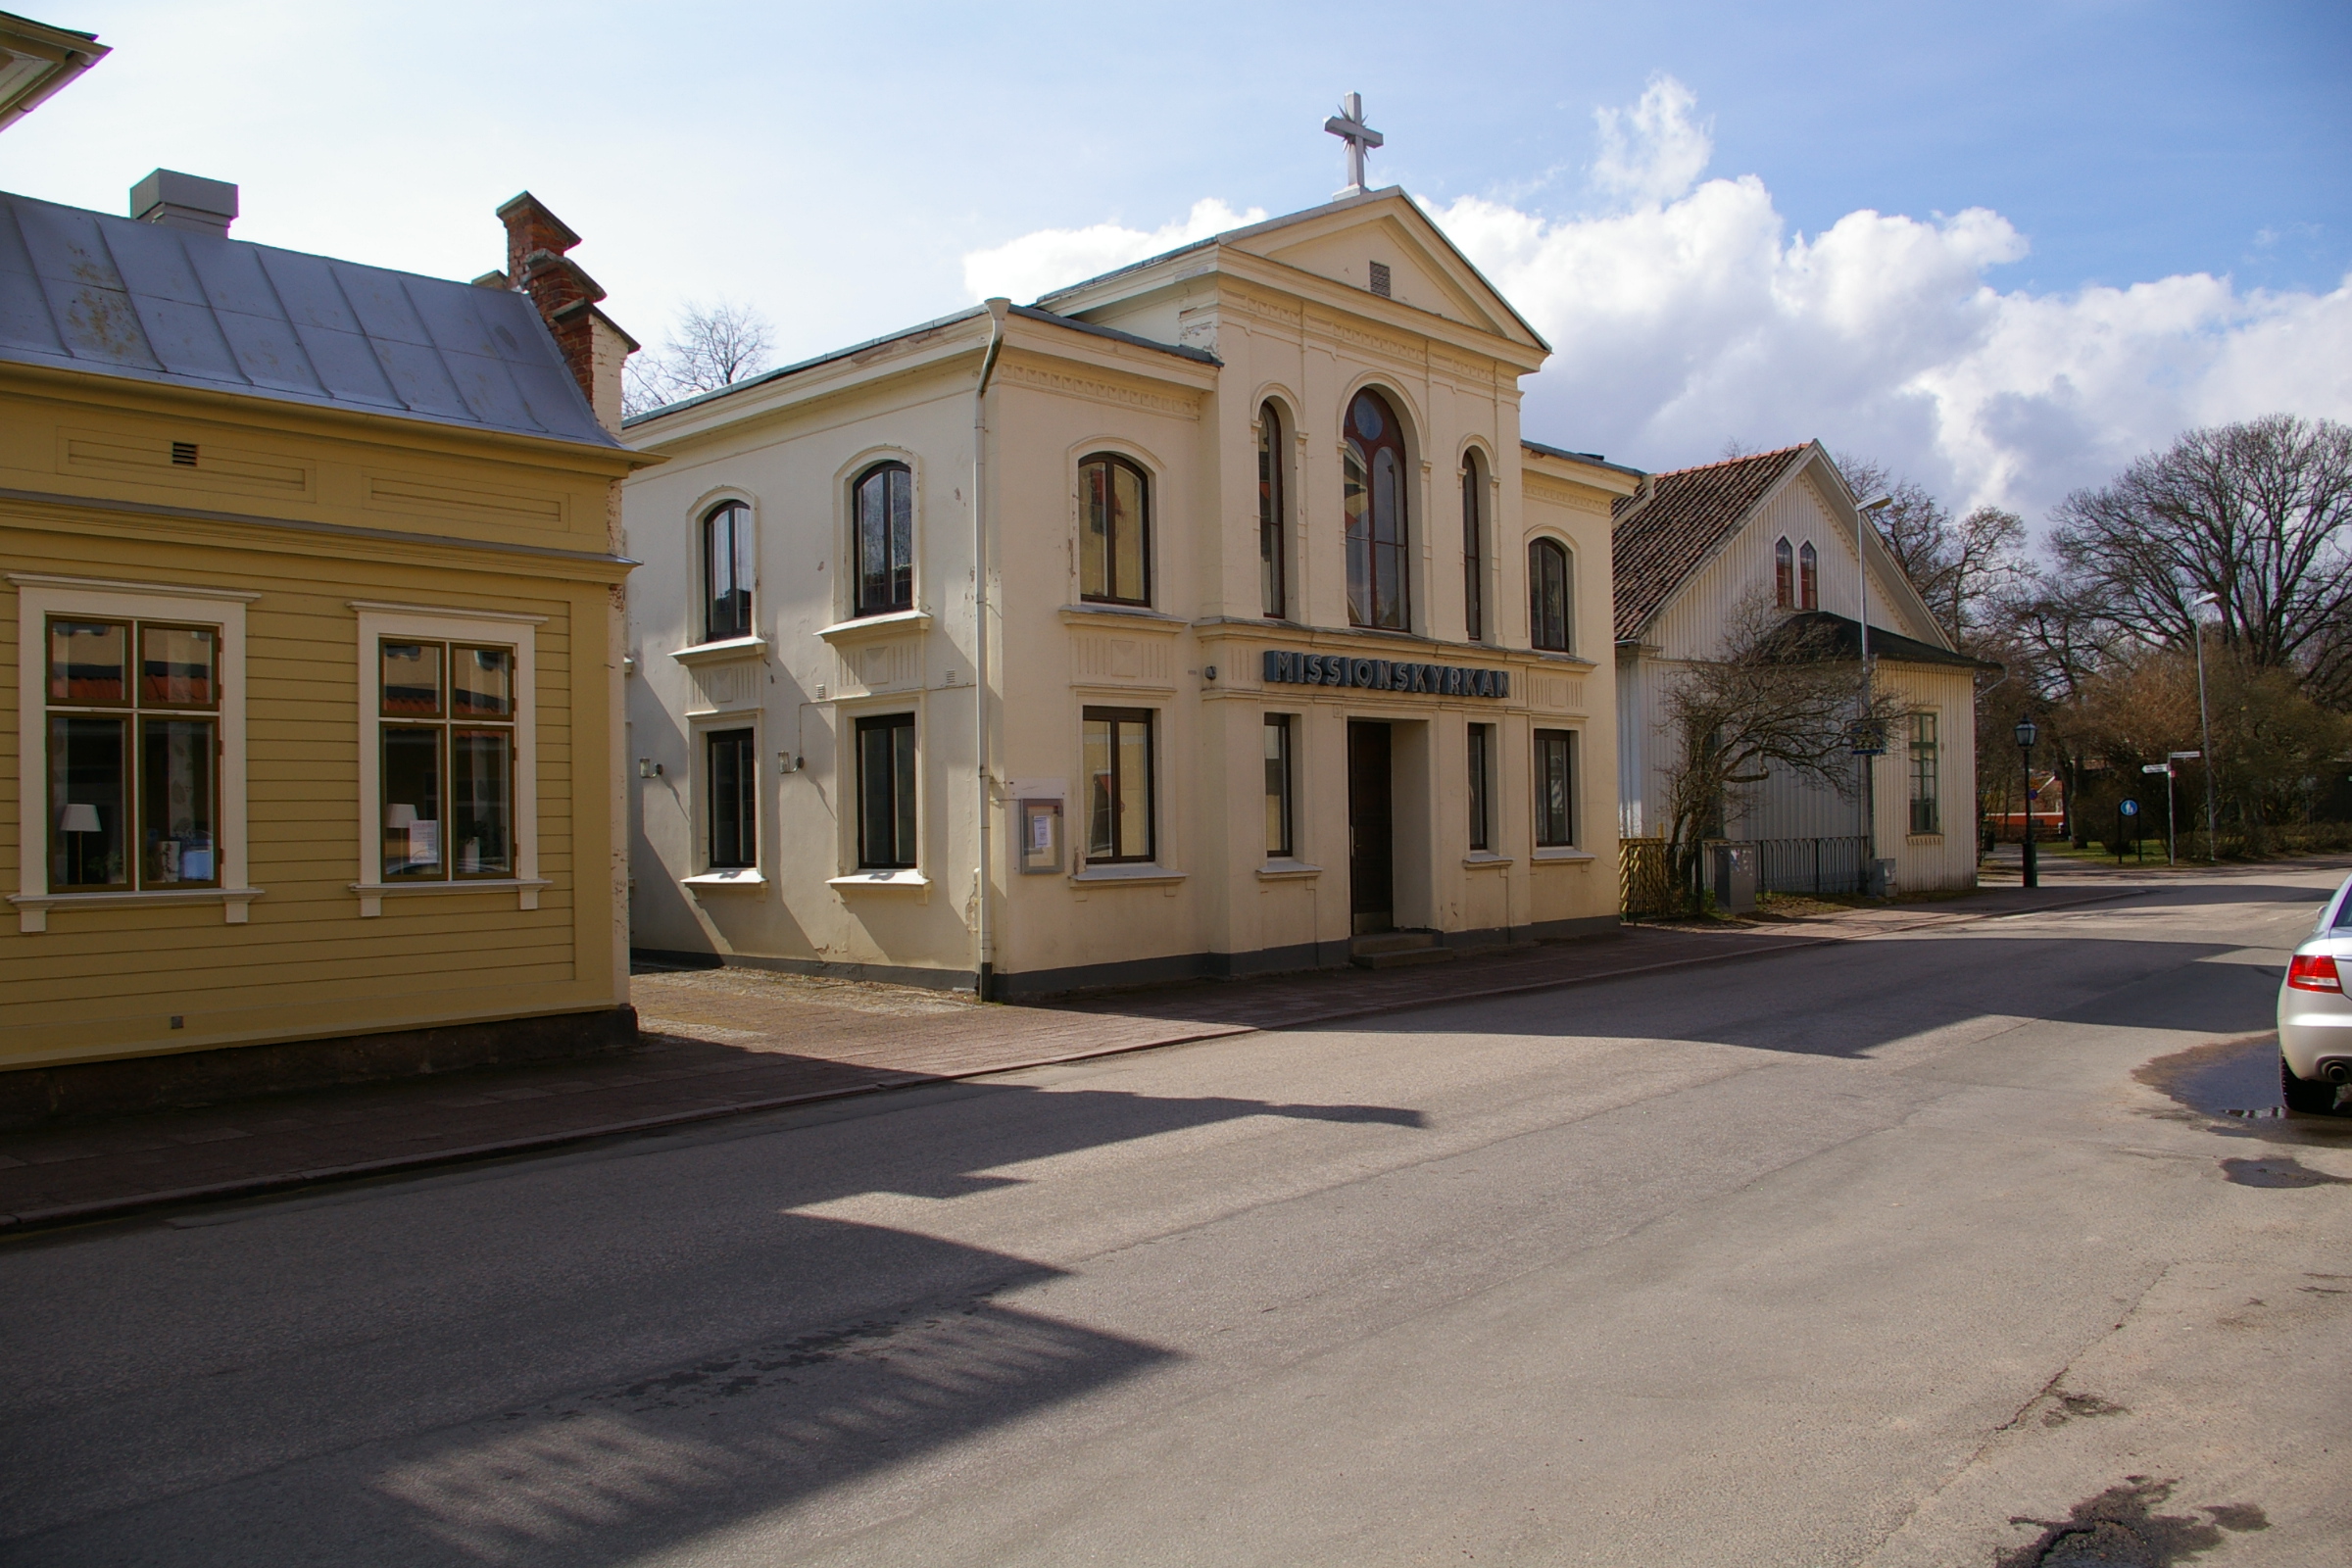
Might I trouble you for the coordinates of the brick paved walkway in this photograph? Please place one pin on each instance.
(722, 1042)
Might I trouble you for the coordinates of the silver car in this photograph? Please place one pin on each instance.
(2315, 1015)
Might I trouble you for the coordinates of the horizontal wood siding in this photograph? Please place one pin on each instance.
(104, 982)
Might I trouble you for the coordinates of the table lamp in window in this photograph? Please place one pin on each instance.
(77, 817)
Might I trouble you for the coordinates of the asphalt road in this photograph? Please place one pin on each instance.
(1896, 1252)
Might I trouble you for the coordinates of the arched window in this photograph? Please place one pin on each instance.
(727, 571)
(1114, 531)
(1376, 523)
(1808, 577)
(883, 504)
(1784, 576)
(1549, 621)
(1474, 549)
(1273, 515)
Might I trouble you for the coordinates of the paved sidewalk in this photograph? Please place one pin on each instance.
(719, 1043)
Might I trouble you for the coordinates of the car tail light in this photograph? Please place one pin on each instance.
(2313, 971)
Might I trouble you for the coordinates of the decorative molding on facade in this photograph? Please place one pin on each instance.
(1093, 391)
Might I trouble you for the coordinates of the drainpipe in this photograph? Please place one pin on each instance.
(998, 309)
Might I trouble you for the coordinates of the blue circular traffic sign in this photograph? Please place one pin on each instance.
(2129, 808)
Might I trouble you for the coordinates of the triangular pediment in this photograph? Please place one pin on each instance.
(1342, 242)
(1337, 243)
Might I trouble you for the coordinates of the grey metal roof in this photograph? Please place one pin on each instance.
(1027, 312)
(86, 291)
(1594, 458)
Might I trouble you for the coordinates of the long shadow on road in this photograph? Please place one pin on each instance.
(572, 1362)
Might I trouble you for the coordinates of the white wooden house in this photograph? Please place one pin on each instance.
(1692, 544)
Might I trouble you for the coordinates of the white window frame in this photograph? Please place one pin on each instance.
(441, 623)
(40, 596)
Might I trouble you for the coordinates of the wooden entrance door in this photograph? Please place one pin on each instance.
(1371, 829)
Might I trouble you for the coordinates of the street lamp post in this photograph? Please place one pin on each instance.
(2027, 735)
(2212, 846)
(1870, 806)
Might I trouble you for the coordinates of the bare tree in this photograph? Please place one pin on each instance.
(2258, 515)
(713, 346)
(1771, 698)
(1959, 567)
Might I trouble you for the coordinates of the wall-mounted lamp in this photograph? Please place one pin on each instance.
(647, 768)
(786, 762)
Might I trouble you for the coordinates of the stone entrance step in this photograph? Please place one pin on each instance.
(1391, 950)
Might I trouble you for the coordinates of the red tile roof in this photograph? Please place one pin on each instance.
(1660, 540)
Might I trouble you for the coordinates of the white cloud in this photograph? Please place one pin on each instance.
(1685, 324)
(1054, 258)
(1654, 151)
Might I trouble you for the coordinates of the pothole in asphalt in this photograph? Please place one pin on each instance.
(2279, 1172)
(2237, 1081)
(2120, 1528)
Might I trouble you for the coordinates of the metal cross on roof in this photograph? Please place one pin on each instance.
(1348, 125)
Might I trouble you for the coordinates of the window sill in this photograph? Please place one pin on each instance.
(740, 878)
(1142, 873)
(859, 627)
(1561, 853)
(1922, 838)
(1480, 861)
(373, 893)
(32, 908)
(1560, 656)
(722, 653)
(903, 880)
(1287, 871)
(1134, 618)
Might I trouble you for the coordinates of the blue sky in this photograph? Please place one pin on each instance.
(837, 166)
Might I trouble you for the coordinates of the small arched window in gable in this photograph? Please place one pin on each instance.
(1808, 572)
(1114, 531)
(1550, 621)
(884, 511)
(728, 572)
(1784, 576)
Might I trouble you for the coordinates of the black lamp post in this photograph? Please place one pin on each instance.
(2027, 735)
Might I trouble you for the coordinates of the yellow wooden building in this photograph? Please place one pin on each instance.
(311, 583)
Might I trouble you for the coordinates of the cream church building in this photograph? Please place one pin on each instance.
(1211, 616)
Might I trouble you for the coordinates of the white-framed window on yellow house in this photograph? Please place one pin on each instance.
(131, 746)
(1926, 759)
(448, 760)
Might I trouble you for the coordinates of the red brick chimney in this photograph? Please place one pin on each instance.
(593, 346)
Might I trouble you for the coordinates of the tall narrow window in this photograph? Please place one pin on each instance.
(1926, 762)
(133, 755)
(446, 768)
(1808, 577)
(1784, 576)
(1550, 621)
(1117, 760)
(734, 774)
(886, 792)
(1482, 781)
(1555, 788)
(1374, 496)
(1279, 845)
(883, 504)
(1115, 532)
(727, 572)
(1273, 516)
(1474, 550)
